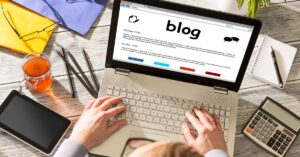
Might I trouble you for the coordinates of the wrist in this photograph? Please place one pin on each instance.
(81, 141)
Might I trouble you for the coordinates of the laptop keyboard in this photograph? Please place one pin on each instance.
(163, 113)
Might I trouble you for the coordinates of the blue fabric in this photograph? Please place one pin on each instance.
(77, 15)
(71, 148)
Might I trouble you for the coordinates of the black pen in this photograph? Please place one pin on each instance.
(276, 68)
(75, 73)
(82, 73)
(71, 81)
(89, 64)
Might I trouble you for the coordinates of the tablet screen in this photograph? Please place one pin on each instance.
(32, 122)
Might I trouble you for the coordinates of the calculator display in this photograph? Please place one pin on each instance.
(282, 115)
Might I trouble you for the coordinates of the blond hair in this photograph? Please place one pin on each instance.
(173, 149)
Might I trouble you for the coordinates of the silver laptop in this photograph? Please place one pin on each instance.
(165, 59)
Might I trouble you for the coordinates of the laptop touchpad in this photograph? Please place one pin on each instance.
(138, 139)
(148, 135)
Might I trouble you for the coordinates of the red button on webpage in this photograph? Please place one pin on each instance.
(213, 74)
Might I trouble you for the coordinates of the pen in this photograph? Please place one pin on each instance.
(82, 73)
(276, 68)
(88, 62)
(75, 73)
(69, 74)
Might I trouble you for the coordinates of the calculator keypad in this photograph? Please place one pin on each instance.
(269, 132)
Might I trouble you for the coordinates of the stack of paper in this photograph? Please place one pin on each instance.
(24, 22)
(77, 15)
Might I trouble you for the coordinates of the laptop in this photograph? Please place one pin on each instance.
(166, 58)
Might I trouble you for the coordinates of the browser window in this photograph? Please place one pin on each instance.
(180, 42)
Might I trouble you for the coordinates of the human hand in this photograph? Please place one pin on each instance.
(210, 135)
(92, 128)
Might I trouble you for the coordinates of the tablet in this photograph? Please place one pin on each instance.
(32, 123)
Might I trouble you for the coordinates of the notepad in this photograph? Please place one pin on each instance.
(262, 66)
(25, 22)
(77, 15)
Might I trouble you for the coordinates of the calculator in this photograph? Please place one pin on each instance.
(273, 127)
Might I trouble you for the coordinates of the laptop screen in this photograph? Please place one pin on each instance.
(180, 42)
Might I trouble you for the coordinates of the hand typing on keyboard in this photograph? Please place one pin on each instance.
(93, 128)
(162, 112)
(209, 130)
(104, 116)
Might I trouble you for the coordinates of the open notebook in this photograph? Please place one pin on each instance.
(262, 66)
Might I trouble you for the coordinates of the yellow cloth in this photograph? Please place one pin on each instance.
(25, 22)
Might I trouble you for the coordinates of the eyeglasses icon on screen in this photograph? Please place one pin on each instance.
(28, 36)
(133, 144)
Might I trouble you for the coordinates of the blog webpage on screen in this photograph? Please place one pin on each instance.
(180, 42)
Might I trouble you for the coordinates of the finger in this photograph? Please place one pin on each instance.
(89, 104)
(217, 121)
(108, 103)
(210, 117)
(100, 101)
(203, 118)
(116, 110)
(189, 138)
(207, 114)
(195, 122)
(115, 126)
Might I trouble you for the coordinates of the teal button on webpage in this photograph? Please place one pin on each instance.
(162, 64)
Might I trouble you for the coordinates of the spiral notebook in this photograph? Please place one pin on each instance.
(262, 67)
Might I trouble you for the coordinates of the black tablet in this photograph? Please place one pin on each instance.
(32, 123)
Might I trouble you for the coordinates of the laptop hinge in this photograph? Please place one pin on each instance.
(220, 90)
(122, 71)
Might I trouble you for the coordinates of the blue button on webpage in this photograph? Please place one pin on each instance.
(136, 59)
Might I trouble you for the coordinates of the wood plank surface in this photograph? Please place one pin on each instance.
(59, 97)
(280, 20)
(95, 45)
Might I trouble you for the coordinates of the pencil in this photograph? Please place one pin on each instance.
(88, 62)
(75, 73)
(82, 73)
(71, 81)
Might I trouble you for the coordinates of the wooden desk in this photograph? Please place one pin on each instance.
(280, 21)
